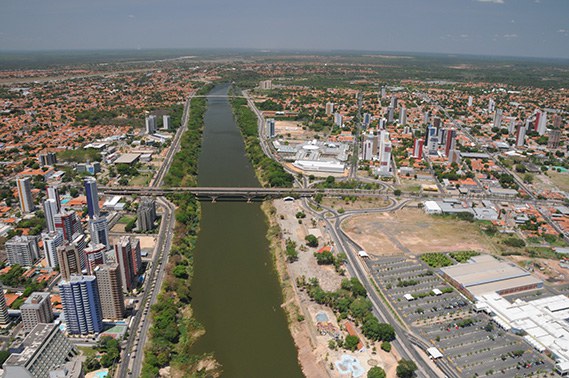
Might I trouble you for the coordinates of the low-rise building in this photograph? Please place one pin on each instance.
(44, 349)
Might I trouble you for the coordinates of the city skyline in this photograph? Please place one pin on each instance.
(526, 28)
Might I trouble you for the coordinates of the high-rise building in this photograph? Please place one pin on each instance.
(51, 241)
(270, 122)
(541, 126)
(450, 143)
(50, 209)
(383, 91)
(393, 102)
(25, 194)
(470, 101)
(266, 84)
(454, 156)
(431, 132)
(69, 260)
(53, 193)
(437, 122)
(557, 120)
(94, 256)
(99, 230)
(150, 124)
(382, 123)
(44, 349)
(166, 122)
(136, 256)
(498, 118)
(110, 291)
(367, 119)
(80, 243)
(81, 305)
(4, 317)
(22, 250)
(338, 119)
(418, 149)
(426, 117)
(390, 114)
(329, 108)
(384, 153)
(512, 125)
(554, 139)
(403, 116)
(49, 158)
(68, 223)
(491, 105)
(520, 135)
(367, 147)
(36, 309)
(124, 258)
(433, 145)
(92, 195)
(146, 214)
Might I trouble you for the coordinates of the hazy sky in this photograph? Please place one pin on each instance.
(494, 27)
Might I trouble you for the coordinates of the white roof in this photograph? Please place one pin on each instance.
(437, 291)
(434, 352)
(543, 320)
(363, 254)
(432, 206)
(409, 297)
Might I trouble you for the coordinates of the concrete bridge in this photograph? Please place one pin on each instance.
(238, 193)
(259, 194)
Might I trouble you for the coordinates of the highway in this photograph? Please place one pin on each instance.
(133, 352)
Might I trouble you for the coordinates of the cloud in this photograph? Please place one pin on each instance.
(464, 36)
(131, 16)
(562, 31)
(510, 36)
(491, 1)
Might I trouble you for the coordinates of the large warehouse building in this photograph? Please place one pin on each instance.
(485, 274)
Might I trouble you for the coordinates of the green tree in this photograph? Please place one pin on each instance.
(324, 258)
(360, 307)
(311, 241)
(376, 372)
(406, 369)
(351, 342)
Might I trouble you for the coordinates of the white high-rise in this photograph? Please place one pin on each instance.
(150, 123)
(50, 209)
(25, 194)
(51, 241)
(166, 122)
(384, 153)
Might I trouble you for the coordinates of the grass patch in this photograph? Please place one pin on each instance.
(561, 180)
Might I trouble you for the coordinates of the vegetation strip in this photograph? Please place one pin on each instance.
(270, 172)
(173, 328)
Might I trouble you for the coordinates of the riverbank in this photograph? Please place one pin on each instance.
(174, 328)
(269, 172)
(296, 317)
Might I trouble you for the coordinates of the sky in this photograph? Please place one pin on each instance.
(532, 28)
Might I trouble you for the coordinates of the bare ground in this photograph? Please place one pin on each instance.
(412, 231)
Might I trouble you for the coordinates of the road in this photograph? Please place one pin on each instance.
(405, 339)
(133, 352)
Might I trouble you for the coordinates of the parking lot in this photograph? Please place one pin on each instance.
(470, 341)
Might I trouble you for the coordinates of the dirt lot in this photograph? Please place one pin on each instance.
(412, 231)
(361, 203)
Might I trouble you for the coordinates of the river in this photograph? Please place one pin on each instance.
(236, 292)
